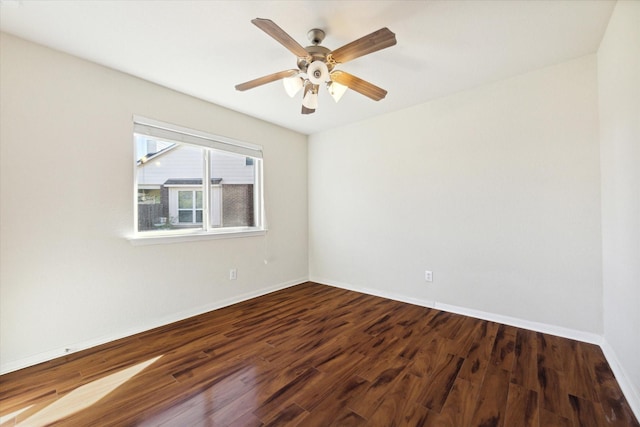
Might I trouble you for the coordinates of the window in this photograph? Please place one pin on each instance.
(190, 207)
(189, 183)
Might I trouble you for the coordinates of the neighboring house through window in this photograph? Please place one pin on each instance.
(172, 163)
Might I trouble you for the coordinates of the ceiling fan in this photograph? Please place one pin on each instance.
(316, 65)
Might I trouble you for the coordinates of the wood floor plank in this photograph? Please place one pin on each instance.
(551, 419)
(290, 415)
(374, 367)
(554, 352)
(440, 382)
(314, 355)
(368, 402)
(327, 409)
(398, 406)
(245, 420)
(239, 409)
(269, 407)
(460, 405)
(333, 412)
(204, 402)
(426, 360)
(465, 337)
(525, 370)
(477, 361)
(420, 333)
(412, 316)
(586, 413)
(522, 407)
(447, 325)
(554, 395)
(492, 400)
(502, 354)
(325, 386)
(580, 378)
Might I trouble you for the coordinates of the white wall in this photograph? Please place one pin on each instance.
(619, 99)
(68, 275)
(496, 190)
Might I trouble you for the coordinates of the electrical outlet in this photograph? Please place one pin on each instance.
(233, 274)
(428, 276)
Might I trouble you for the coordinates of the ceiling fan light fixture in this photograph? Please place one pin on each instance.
(318, 72)
(316, 65)
(336, 90)
(310, 100)
(292, 85)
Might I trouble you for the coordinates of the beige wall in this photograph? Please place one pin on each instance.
(619, 98)
(69, 278)
(496, 190)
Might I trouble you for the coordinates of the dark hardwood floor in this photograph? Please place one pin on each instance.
(314, 355)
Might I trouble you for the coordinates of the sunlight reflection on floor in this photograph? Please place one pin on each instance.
(80, 398)
(5, 418)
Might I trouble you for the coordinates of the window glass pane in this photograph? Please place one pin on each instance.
(185, 199)
(232, 199)
(185, 216)
(169, 175)
(199, 199)
(199, 216)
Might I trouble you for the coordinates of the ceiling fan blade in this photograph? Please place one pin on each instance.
(271, 28)
(266, 79)
(373, 42)
(361, 86)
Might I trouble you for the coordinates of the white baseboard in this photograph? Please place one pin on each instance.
(631, 393)
(72, 348)
(507, 320)
(545, 328)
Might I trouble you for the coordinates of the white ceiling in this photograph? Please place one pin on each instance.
(204, 48)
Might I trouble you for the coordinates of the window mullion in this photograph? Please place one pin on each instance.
(258, 194)
(194, 209)
(206, 191)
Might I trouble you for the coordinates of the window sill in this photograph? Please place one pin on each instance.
(159, 239)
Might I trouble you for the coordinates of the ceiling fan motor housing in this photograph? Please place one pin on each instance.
(316, 53)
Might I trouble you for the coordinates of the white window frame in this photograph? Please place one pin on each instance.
(182, 135)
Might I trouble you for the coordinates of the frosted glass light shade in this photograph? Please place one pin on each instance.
(292, 85)
(318, 72)
(336, 90)
(310, 100)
